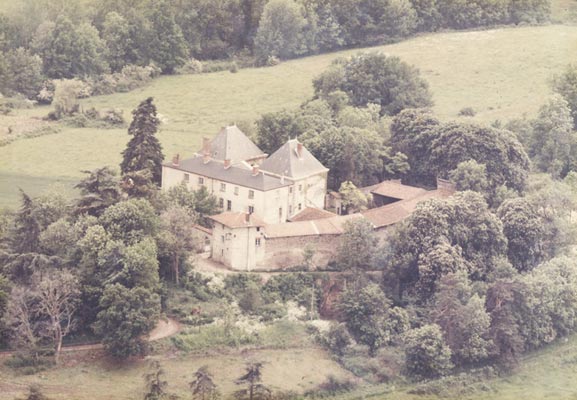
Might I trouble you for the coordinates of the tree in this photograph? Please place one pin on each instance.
(126, 316)
(523, 227)
(252, 379)
(280, 31)
(352, 199)
(70, 51)
(203, 386)
(130, 221)
(23, 73)
(26, 235)
(553, 138)
(116, 33)
(275, 129)
(470, 175)
(378, 79)
(205, 204)
(176, 236)
(356, 250)
(66, 95)
(143, 151)
(499, 150)
(58, 296)
(370, 317)
(565, 85)
(167, 45)
(427, 355)
(99, 190)
(155, 382)
(463, 319)
(412, 133)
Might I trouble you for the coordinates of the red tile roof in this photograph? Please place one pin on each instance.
(310, 213)
(397, 190)
(327, 226)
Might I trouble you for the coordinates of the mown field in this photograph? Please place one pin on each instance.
(501, 73)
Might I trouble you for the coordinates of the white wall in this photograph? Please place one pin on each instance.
(237, 248)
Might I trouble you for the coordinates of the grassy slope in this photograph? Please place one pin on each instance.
(86, 380)
(501, 73)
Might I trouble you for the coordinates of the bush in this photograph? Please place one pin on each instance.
(427, 355)
(192, 66)
(272, 311)
(236, 284)
(467, 112)
(233, 67)
(332, 387)
(338, 339)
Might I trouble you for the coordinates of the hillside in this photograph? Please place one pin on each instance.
(500, 73)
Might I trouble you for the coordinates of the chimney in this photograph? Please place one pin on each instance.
(227, 163)
(255, 170)
(176, 160)
(300, 150)
(206, 145)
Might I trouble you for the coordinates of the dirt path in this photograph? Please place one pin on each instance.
(164, 328)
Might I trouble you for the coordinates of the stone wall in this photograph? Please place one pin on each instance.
(287, 252)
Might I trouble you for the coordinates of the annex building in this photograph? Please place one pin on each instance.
(274, 205)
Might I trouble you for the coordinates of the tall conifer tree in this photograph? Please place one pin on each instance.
(143, 151)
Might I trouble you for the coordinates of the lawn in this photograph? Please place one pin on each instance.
(501, 73)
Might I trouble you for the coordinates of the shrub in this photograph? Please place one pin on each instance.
(233, 67)
(338, 339)
(270, 312)
(467, 112)
(192, 66)
(427, 355)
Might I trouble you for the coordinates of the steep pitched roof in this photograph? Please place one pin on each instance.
(287, 161)
(235, 174)
(232, 144)
(238, 219)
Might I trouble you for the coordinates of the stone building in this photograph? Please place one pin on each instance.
(244, 180)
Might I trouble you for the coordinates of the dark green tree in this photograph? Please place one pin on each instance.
(116, 33)
(356, 250)
(427, 355)
(156, 382)
(565, 84)
(167, 48)
(470, 175)
(203, 386)
(130, 221)
(252, 378)
(26, 235)
(523, 227)
(126, 316)
(23, 73)
(274, 129)
(99, 190)
(143, 151)
(378, 79)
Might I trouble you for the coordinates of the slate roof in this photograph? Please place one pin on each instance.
(396, 190)
(310, 213)
(237, 175)
(286, 162)
(232, 144)
(238, 219)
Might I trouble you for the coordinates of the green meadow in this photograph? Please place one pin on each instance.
(501, 73)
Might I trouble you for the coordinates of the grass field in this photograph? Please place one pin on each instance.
(88, 380)
(500, 73)
(546, 374)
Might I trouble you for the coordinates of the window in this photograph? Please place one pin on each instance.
(250, 209)
(258, 228)
(221, 202)
(300, 188)
(222, 237)
(200, 180)
(186, 178)
(236, 190)
(251, 194)
(228, 205)
(223, 187)
(257, 242)
(300, 206)
(290, 210)
(280, 212)
(291, 189)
